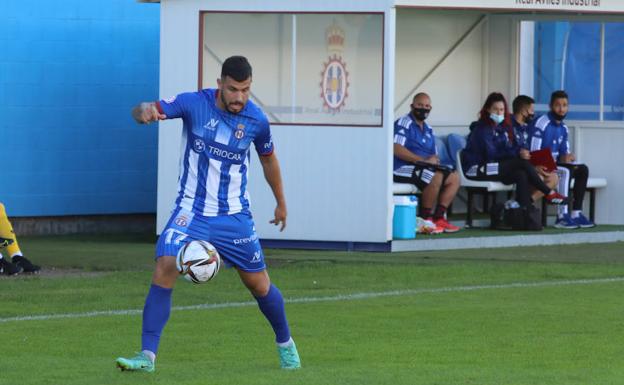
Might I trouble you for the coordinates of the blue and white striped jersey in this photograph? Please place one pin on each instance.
(215, 151)
(545, 132)
(419, 141)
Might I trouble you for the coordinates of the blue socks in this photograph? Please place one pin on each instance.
(158, 307)
(272, 306)
(155, 315)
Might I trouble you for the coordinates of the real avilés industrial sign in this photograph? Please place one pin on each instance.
(585, 4)
(580, 6)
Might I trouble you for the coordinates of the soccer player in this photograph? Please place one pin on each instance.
(416, 161)
(549, 131)
(8, 240)
(523, 107)
(219, 126)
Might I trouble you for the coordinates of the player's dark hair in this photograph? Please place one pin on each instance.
(561, 94)
(236, 67)
(520, 102)
(484, 114)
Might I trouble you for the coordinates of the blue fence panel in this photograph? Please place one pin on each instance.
(567, 56)
(614, 81)
(70, 72)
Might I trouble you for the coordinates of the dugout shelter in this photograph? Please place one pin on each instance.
(333, 76)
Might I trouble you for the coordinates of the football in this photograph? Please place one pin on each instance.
(198, 261)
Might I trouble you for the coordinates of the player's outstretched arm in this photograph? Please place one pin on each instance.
(145, 113)
(273, 176)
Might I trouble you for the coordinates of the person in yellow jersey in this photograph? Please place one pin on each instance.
(12, 261)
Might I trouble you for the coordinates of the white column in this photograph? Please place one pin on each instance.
(527, 58)
(602, 69)
(389, 79)
(293, 101)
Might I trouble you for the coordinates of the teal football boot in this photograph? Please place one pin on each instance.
(289, 357)
(141, 362)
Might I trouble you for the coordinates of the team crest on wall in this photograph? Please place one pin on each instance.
(334, 77)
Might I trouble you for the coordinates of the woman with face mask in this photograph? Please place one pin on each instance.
(492, 153)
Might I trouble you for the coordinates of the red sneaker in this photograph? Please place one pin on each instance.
(556, 199)
(448, 228)
(426, 226)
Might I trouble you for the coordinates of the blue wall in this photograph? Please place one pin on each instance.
(549, 43)
(582, 66)
(70, 72)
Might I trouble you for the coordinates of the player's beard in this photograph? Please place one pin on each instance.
(226, 105)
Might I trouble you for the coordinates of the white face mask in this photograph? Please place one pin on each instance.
(498, 119)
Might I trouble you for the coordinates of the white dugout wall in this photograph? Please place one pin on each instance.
(338, 179)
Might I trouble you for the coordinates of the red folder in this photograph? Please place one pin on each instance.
(543, 158)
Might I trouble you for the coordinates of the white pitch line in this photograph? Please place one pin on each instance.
(342, 297)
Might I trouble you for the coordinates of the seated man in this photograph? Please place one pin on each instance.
(19, 263)
(549, 131)
(416, 161)
(523, 113)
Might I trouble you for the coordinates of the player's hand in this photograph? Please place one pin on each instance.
(541, 170)
(525, 154)
(280, 217)
(147, 113)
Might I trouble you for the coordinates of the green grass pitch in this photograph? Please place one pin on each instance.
(518, 316)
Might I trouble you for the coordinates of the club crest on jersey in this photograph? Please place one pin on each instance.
(334, 77)
(181, 221)
(199, 145)
(169, 100)
(240, 131)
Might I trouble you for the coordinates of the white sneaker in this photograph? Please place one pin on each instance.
(424, 226)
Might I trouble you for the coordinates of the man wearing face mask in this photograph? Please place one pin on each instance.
(549, 131)
(416, 161)
(523, 107)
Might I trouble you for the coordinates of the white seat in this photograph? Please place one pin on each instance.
(477, 186)
(404, 189)
(592, 185)
(596, 183)
(490, 186)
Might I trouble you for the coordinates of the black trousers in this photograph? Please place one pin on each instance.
(579, 173)
(510, 171)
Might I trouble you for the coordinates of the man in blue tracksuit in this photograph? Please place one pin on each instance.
(523, 108)
(549, 131)
(416, 161)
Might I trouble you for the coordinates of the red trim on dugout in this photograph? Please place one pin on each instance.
(383, 61)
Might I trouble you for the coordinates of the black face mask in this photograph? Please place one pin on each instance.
(421, 113)
(557, 116)
(529, 118)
